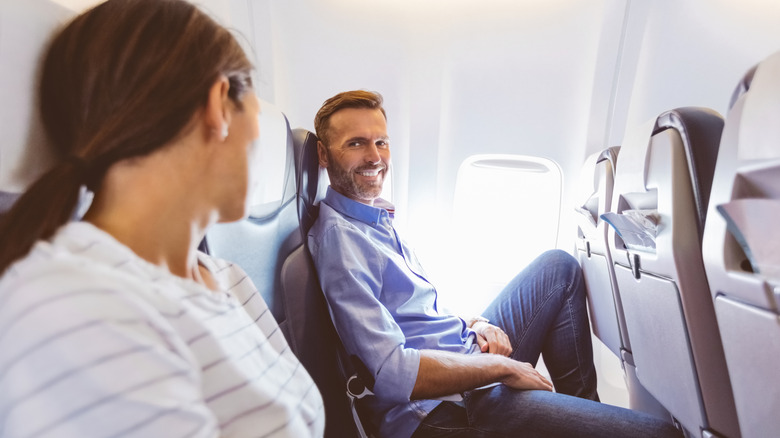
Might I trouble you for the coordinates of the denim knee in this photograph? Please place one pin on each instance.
(568, 268)
(559, 257)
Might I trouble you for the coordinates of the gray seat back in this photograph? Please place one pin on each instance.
(312, 335)
(604, 303)
(663, 180)
(740, 253)
(606, 312)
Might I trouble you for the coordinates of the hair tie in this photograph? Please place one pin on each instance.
(83, 169)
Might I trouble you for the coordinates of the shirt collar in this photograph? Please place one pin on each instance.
(371, 215)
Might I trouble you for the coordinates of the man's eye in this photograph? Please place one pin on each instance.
(354, 144)
(382, 144)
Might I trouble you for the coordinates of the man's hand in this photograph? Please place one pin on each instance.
(491, 339)
(525, 376)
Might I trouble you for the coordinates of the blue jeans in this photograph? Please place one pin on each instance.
(543, 311)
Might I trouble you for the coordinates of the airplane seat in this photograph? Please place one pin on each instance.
(659, 206)
(312, 180)
(606, 316)
(604, 304)
(740, 247)
(313, 337)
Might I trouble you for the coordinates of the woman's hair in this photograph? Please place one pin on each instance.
(119, 81)
(347, 99)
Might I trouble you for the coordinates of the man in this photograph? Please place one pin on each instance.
(386, 314)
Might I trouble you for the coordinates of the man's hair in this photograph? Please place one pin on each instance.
(347, 99)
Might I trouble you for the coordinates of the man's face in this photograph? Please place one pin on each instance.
(358, 153)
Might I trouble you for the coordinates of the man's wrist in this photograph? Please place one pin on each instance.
(475, 319)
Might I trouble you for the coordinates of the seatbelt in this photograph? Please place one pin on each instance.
(355, 391)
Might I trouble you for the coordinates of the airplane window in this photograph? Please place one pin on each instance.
(506, 211)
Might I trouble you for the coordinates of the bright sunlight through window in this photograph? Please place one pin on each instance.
(506, 212)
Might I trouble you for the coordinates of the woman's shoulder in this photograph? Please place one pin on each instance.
(75, 277)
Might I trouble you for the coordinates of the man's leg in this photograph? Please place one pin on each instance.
(503, 412)
(543, 310)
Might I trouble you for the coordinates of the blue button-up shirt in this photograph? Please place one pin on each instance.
(382, 305)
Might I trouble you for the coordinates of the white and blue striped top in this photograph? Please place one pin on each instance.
(95, 341)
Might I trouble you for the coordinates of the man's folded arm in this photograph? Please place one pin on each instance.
(443, 373)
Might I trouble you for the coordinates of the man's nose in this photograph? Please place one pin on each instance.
(372, 155)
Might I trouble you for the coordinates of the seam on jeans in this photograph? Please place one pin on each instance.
(577, 352)
(491, 433)
(449, 428)
(580, 365)
(547, 298)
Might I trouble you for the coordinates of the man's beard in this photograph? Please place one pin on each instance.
(344, 181)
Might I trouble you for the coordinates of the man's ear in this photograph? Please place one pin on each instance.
(217, 112)
(322, 153)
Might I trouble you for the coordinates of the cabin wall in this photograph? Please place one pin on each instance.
(24, 29)
(688, 53)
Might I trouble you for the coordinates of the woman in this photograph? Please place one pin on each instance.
(116, 325)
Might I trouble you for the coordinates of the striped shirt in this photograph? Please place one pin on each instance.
(95, 341)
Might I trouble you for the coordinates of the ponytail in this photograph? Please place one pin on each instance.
(48, 204)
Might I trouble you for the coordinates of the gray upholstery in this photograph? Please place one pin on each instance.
(746, 297)
(606, 313)
(604, 302)
(699, 132)
(667, 166)
(311, 180)
(313, 337)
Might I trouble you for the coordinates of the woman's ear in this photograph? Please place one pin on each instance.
(217, 113)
